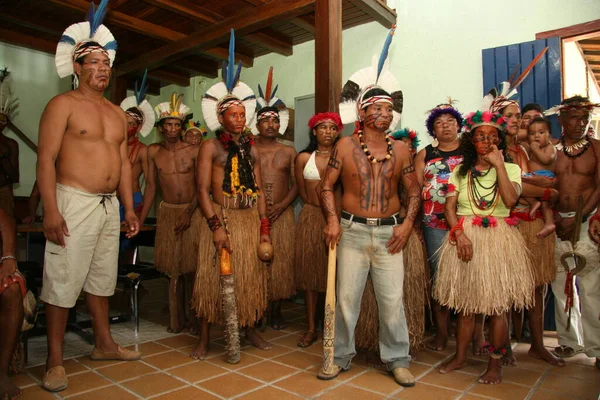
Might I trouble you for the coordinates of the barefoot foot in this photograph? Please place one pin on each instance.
(451, 365)
(9, 390)
(493, 374)
(479, 347)
(544, 354)
(200, 352)
(509, 360)
(438, 343)
(545, 231)
(257, 341)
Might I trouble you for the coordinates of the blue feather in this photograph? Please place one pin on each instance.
(260, 92)
(224, 71)
(67, 39)
(141, 94)
(90, 15)
(229, 82)
(98, 17)
(385, 51)
(274, 91)
(111, 45)
(236, 78)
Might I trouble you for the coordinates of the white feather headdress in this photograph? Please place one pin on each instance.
(174, 108)
(230, 88)
(268, 99)
(90, 31)
(377, 75)
(138, 100)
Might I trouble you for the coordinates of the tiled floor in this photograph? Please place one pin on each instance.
(288, 372)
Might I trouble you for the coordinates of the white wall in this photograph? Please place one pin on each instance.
(577, 80)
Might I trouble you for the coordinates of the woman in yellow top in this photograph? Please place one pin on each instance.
(484, 265)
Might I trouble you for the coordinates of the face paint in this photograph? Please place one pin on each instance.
(378, 116)
(483, 139)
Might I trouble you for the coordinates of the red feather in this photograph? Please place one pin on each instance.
(522, 77)
(269, 87)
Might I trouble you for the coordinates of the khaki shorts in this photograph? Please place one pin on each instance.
(89, 261)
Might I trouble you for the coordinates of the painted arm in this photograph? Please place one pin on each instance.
(326, 193)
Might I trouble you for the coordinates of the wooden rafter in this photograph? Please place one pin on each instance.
(305, 22)
(378, 10)
(30, 42)
(199, 65)
(178, 78)
(210, 36)
(223, 54)
(189, 11)
(272, 40)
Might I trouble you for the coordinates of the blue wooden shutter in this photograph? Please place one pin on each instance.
(544, 83)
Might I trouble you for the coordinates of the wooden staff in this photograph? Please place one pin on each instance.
(329, 323)
(230, 315)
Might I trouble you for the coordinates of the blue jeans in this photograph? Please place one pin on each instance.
(362, 250)
(433, 241)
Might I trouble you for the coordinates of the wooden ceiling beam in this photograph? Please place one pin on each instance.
(153, 86)
(210, 36)
(178, 78)
(190, 11)
(199, 66)
(589, 46)
(377, 10)
(306, 22)
(223, 54)
(272, 40)
(30, 42)
(127, 22)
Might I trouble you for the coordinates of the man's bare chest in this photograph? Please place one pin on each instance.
(169, 162)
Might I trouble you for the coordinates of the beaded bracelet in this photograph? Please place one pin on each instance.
(214, 223)
(265, 227)
(546, 196)
(457, 227)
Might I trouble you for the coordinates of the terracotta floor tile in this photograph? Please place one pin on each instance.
(474, 366)
(168, 360)
(230, 385)
(350, 393)
(430, 357)
(124, 371)
(213, 350)
(71, 366)
(215, 333)
(36, 393)
(504, 391)
(197, 371)
(418, 369)
(344, 375)
(21, 380)
(422, 391)
(178, 341)
(548, 395)
(473, 397)
(305, 384)
(269, 393)
(149, 348)
(274, 352)
(522, 376)
(272, 334)
(111, 392)
(267, 371)
(316, 348)
(578, 371)
(83, 382)
(452, 380)
(296, 326)
(87, 361)
(375, 381)
(153, 384)
(299, 359)
(187, 393)
(572, 386)
(526, 362)
(287, 341)
(246, 361)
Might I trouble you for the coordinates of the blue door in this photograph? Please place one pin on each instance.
(544, 83)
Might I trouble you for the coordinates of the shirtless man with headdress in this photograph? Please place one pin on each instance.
(236, 214)
(371, 234)
(280, 191)
(177, 234)
(578, 176)
(82, 160)
(9, 148)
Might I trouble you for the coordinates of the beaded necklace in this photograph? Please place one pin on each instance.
(370, 157)
(476, 198)
(583, 144)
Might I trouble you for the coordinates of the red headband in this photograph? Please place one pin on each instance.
(318, 119)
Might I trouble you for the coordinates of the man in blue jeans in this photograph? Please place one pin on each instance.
(371, 234)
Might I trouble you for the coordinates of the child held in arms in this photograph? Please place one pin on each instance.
(542, 159)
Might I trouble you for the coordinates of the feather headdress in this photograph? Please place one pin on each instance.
(574, 102)
(378, 75)
(174, 108)
(194, 125)
(75, 36)
(8, 104)
(441, 109)
(138, 100)
(496, 99)
(268, 99)
(219, 97)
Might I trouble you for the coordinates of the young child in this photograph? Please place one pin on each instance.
(542, 158)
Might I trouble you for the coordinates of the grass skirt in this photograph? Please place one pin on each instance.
(282, 284)
(415, 294)
(311, 252)
(498, 277)
(176, 253)
(250, 273)
(542, 251)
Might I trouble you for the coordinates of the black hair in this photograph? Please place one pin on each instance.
(267, 109)
(85, 46)
(575, 100)
(313, 145)
(470, 153)
(532, 107)
(542, 120)
(136, 111)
